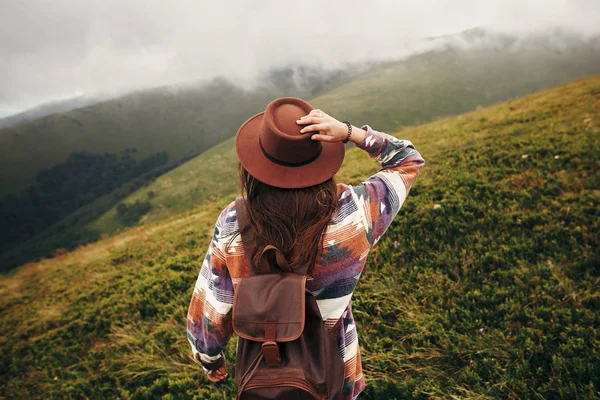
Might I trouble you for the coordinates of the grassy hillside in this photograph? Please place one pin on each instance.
(485, 286)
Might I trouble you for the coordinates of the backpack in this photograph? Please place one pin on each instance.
(284, 350)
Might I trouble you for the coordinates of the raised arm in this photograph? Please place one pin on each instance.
(381, 196)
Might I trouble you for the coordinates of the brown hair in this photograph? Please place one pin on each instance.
(293, 220)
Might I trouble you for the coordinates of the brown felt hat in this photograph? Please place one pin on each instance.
(271, 148)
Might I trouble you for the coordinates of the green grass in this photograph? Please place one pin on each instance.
(492, 292)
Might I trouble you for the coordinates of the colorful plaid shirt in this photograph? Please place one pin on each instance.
(364, 213)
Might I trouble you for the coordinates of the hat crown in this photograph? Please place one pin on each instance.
(284, 118)
(280, 136)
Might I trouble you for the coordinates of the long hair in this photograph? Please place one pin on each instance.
(293, 220)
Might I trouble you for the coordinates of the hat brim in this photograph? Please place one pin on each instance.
(259, 166)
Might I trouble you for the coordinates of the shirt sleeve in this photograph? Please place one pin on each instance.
(381, 196)
(209, 315)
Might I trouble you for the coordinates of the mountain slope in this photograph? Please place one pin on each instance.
(107, 150)
(468, 70)
(421, 88)
(479, 70)
(183, 121)
(199, 181)
(474, 68)
(49, 108)
(484, 286)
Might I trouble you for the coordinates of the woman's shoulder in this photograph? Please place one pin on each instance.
(228, 216)
(229, 207)
(227, 219)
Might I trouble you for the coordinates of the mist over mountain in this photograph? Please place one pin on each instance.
(182, 120)
(53, 49)
(49, 108)
(164, 127)
(60, 163)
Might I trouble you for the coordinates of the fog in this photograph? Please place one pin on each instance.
(59, 49)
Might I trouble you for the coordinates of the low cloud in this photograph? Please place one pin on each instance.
(62, 48)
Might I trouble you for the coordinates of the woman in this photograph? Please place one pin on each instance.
(288, 155)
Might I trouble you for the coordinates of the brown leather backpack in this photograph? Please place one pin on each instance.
(284, 350)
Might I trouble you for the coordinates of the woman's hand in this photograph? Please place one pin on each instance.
(217, 375)
(329, 128)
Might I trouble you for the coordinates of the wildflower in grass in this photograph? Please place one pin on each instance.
(556, 157)
(481, 330)
(436, 206)
(524, 156)
(396, 244)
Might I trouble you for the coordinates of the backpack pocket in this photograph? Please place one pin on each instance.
(280, 384)
(270, 307)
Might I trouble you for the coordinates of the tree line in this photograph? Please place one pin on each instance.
(64, 188)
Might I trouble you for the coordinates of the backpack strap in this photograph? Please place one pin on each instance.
(247, 234)
(279, 257)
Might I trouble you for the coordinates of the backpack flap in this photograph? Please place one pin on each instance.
(270, 307)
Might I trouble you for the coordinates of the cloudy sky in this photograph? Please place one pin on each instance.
(53, 49)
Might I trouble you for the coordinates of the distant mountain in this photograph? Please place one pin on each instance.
(182, 120)
(59, 164)
(447, 81)
(472, 69)
(49, 108)
(464, 72)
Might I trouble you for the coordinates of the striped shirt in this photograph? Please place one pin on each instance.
(364, 213)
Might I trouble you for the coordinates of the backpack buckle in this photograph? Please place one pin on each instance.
(271, 351)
